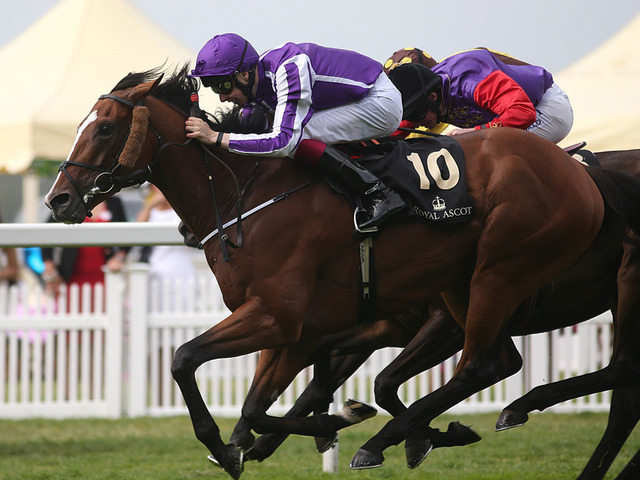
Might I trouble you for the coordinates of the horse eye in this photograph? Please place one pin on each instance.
(105, 129)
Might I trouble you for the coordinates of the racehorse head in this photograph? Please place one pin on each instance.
(115, 145)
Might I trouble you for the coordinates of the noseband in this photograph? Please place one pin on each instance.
(139, 176)
(108, 178)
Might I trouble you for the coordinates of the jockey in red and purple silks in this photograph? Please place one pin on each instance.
(483, 89)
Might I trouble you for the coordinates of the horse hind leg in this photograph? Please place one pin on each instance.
(544, 396)
(437, 340)
(488, 356)
(624, 414)
(623, 369)
(632, 470)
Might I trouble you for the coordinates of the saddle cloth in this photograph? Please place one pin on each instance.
(428, 173)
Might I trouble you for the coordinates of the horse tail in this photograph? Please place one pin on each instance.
(621, 194)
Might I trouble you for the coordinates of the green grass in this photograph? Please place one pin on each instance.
(550, 446)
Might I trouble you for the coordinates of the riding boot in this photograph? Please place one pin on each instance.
(382, 201)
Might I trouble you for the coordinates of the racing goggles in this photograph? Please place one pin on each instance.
(220, 85)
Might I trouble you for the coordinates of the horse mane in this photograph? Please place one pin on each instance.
(176, 89)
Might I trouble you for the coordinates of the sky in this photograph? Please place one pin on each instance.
(550, 33)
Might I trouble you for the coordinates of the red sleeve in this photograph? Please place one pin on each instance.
(501, 95)
(402, 133)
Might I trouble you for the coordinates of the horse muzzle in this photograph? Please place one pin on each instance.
(66, 208)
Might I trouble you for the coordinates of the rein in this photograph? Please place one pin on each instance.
(139, 176)
(107, 179)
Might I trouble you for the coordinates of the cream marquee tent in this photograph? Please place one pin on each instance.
(604, 88)
(54, 72)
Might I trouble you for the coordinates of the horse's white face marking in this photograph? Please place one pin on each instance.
(93, 116)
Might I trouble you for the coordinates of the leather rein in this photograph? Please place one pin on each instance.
(108, 179)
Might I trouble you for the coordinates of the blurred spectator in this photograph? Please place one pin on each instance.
(33, 260)
(71, 265)
(166, 262)
(9, 268)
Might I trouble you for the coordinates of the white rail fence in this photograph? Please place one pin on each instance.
(62, 359)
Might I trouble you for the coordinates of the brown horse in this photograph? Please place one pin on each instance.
(587, 289)
(603, 279)
(294, 279)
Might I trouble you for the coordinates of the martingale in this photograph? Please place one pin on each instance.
(429, 173)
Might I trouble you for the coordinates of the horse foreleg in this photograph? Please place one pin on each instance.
(206, 430)
(624, 414)
(345, 352)
(276, 370)
(311, 399)
(315, 398)
(234, 336)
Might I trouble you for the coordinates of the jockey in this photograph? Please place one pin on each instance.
(412, 55)
(479, 89)
(409, 55)
(319, 96)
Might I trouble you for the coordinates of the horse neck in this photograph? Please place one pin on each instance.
(182, 175)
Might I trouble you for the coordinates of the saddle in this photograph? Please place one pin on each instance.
(584, 156)
(428, 173)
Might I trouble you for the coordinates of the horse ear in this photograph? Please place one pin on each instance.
(144, 89)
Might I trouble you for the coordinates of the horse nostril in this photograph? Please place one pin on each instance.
(59, 201)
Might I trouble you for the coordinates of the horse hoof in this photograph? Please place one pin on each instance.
(243, 441)
(462, 434)
(252, 454)
(364, 459)
(324, 444)
(354, 411)
(233, 464)
(417, 451)
(510, 419)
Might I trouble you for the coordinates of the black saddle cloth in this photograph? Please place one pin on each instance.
(429, 174)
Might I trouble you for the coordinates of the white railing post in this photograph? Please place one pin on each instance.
(138, 339)
(537, 361)
(114, 289)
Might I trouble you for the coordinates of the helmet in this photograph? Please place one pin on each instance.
(415, 83)
(409, 55)
(225, 54)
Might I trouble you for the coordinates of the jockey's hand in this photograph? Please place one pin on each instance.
(199, 129)
(459, 131)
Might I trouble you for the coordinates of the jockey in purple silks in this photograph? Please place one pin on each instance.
(318, 96)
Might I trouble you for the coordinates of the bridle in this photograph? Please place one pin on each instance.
(108, 178)
(139, 176)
